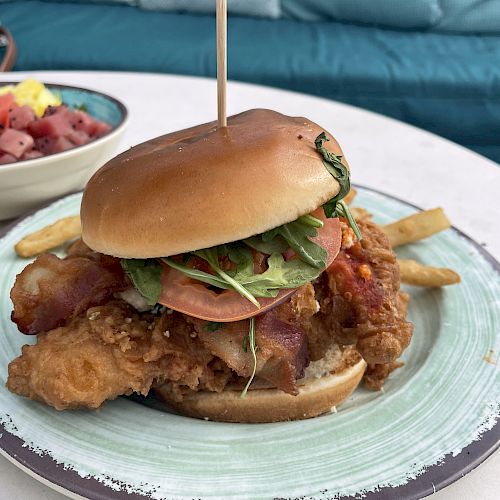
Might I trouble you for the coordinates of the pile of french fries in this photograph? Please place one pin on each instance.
(415, 228)
(408, 230)
(411, 229)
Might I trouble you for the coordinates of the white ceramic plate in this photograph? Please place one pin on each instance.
(434, 422)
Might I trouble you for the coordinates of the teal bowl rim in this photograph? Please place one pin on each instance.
(46, 159)
(453, 467)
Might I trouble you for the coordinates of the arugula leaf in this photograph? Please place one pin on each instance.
(333, 163)
(213, 326)
(243, 258)
(145, 276)
(311, 221)
(211, 255)
(343, 211)
(196, 274)
(279, 275)
(297, 235)
(276, 245)
(244, 274)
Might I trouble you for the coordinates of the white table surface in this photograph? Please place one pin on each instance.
(383, 153)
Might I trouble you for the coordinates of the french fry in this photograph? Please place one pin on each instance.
(52, 236)
(416, 274)
(416, 227)
(361, 214)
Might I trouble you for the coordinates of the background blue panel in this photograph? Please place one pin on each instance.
(446, 83)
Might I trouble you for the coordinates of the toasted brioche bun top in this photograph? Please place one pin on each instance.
(204, 186)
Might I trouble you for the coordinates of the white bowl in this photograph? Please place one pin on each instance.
(26, 185)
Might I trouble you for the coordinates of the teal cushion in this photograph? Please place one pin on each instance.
(479, 16)
(461, 16)
(448, 84)
(395, 13)
(455, 16)
(258, 8)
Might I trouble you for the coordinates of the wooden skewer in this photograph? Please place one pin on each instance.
(221, 16)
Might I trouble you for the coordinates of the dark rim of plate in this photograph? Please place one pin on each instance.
(123, 112)
(436, 477)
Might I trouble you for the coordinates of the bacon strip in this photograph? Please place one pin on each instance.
(285, 347)
(282, 354)
(51, 291)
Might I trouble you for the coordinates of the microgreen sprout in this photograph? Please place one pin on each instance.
(253, 349)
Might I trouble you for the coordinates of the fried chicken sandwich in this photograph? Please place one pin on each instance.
(222, 268)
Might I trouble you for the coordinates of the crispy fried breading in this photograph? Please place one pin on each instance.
(363, 300)
(109, 352)
(376, 375)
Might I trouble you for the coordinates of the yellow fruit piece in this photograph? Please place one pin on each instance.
(45, 98)
(28, 89)
(34, 94)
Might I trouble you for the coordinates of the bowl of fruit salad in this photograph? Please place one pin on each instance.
(52, 139)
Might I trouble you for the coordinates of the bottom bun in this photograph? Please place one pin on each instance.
(318, 393)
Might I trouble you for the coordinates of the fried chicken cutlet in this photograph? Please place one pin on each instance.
(112, 349)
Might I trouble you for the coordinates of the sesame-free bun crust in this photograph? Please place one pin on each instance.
(317, 395)
(204, 186)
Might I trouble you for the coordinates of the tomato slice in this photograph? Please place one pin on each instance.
(183, 294)
(6, 102)
(329, 236)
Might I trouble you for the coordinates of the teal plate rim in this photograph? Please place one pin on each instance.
(436, 477)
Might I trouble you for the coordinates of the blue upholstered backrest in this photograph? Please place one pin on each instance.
(481, 16)
(460, 16)
(396, 13)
